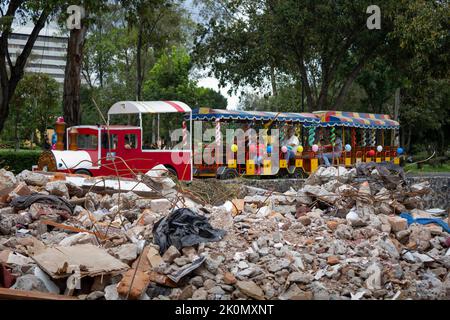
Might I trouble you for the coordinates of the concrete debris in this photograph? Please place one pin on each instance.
(339, 236)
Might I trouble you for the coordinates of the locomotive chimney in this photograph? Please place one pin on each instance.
(73, 135)
(60, 126)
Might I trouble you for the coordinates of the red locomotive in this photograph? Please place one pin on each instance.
(119, 149)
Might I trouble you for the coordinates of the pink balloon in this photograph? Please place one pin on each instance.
(284, 149)
(252, 148)
(315, 148)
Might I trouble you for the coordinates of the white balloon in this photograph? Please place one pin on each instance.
(379, 148)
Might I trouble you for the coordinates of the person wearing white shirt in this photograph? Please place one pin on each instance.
(291, 141)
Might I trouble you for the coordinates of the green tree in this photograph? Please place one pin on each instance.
(75, 54)
(324, 45)
(156, 24)
(169, 79)
(18, 11)
(116, 60)
(35, 105)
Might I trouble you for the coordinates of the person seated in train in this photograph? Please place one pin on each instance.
(128, 144)
(336, 153)
(238, 138)
(291, 141)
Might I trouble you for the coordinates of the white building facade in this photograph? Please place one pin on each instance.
(48, 55)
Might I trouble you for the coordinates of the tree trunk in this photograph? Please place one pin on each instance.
(16, 132)
(408, 143)
(139, 64)
(72, 77)
(397, 104)
(348, 82)
(305, 84)
(9, 80)
(273, 80)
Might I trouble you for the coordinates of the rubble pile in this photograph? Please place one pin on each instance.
(346, 234)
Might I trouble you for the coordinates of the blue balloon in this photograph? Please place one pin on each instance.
(289, 148)
(269, 149)
(400, 150)
(348, 148)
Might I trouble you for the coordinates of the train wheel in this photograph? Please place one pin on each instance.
(229, 174)
(172, 174)
(84, 171)
(299, 174)
(282, 173)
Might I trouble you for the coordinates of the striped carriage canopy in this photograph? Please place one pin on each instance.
(356, 119)
(203, 114)
(139, 107)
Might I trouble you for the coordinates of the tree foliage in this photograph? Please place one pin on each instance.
(35, 105)
(324, 45)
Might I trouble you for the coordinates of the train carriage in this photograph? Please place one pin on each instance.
(228, 165)
(366, 137)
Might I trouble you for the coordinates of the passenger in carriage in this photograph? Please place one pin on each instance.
(291, 141)
(336, 153)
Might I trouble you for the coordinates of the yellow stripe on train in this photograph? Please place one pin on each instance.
(232, 163)
(267, 167)
(250, 166)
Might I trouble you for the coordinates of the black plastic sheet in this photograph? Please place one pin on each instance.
(184, 228)
(24, 202)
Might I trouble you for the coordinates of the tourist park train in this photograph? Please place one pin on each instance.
(129, 150)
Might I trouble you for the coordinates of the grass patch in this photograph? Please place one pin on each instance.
(428, 168)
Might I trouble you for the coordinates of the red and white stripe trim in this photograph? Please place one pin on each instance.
(131, 107)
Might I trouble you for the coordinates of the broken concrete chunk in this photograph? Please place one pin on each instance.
(397, 223)
(250, 289)
(154, 258)
(133, 284)
(126, 253)
(59, 262)
(300, 277)
(355, 220)
(78, 238)
(7, 179)
(171, 254)
(33, 178)
(30, 282)
(20, 190)
(57, 188)
(160, 205)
